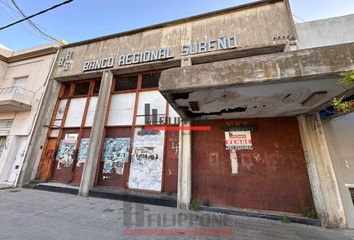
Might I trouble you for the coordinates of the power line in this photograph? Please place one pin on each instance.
(14, 16)
(32, 23)
(36, 14)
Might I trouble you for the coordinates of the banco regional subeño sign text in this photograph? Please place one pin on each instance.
(221, 43)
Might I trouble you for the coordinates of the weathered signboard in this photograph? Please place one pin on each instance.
(238, 140)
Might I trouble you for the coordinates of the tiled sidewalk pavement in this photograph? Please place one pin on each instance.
(34, 214)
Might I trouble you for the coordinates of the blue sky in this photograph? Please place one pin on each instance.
(84, 19)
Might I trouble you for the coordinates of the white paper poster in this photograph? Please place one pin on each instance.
(234, 163)
(146, 160)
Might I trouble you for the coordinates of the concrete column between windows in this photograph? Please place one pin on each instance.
(89, 171)
(39, 133)
(184, 188)
(323, 182)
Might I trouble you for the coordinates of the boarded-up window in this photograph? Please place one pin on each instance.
(75, 112)
(150, 102)
(146, 160)
(121, 109)
(91, 112)
(60, 113)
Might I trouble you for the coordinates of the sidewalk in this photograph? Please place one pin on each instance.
(35, 214)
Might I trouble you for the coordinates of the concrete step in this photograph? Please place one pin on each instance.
(57, 187)
(158, 199)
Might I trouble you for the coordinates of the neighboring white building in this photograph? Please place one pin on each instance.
(23, 77)
(339, 130)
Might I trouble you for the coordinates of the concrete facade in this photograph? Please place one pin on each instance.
(338, 130)
(262, 76)
(88, 176)
(173, 35)
(23, 81)
(325, 32)
(340, 138)
(324, 184)
(256, 25)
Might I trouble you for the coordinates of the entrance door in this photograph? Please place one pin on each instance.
(48, 155)
(20, 154)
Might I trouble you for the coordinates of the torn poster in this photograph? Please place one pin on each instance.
(83, 151)
(115, 154)
(66, 150)
(234, 163)
(146, 161)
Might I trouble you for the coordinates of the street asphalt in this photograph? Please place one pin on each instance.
(34, 214)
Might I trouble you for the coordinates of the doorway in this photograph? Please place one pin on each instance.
(20, 151)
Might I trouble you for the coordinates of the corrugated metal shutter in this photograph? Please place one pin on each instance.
(5, 126)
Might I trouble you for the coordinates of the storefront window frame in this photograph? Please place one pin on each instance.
(132, 127)
(83, 131)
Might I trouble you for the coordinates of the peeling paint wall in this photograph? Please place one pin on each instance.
(272, 176)
(170, 169)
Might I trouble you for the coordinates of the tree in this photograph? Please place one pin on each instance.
(340, 104)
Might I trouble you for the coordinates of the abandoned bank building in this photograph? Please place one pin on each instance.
(230, 109)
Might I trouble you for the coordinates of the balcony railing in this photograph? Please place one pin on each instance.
(16, 89)
(15, 99)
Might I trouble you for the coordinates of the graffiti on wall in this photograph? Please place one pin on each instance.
(115, 154)
(146, 160)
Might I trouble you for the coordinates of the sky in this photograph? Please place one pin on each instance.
(85, 19)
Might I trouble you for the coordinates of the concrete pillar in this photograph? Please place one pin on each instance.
(184, 188)
(89, 171)
(39, 133)
(323, 182)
